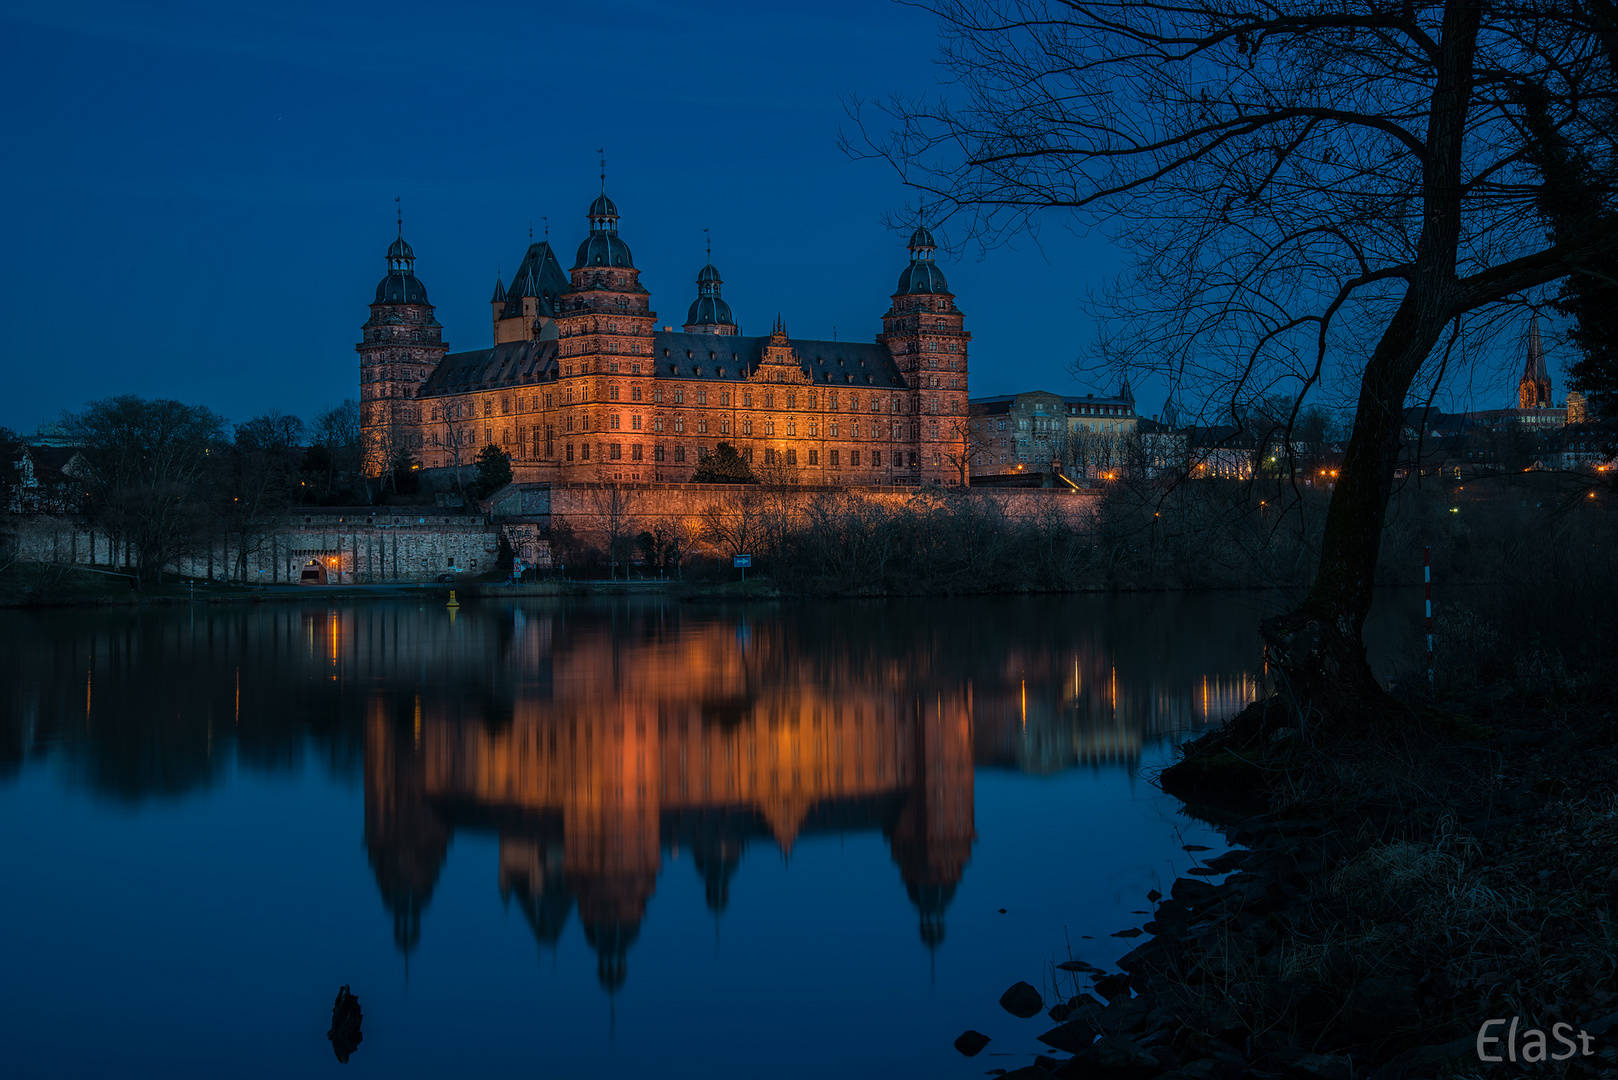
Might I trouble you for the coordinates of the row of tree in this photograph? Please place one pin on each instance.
(162, 477)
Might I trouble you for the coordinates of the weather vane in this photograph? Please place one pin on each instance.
(399, 207)
(709, 239)
(603, 152)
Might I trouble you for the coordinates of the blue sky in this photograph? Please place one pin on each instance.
(202, 194)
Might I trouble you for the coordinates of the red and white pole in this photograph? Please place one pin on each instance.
(1427, 584)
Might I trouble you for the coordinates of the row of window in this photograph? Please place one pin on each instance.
(772, 456)
(570, 395)
(896, 432)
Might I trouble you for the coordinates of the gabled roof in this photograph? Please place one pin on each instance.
(513, 363)
(827, 363)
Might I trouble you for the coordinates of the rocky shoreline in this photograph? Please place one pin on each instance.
(1372, 939)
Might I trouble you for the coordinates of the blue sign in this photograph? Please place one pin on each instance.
(742, 560)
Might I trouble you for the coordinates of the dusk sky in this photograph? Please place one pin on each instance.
(202, 194)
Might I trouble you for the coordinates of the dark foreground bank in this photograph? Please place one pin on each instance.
(1398, 891)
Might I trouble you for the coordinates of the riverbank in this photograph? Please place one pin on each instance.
(36, 586)
(1446, 867)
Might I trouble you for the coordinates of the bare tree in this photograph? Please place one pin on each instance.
(148, 467)
(616, 508)
(259, 481)
(1308, 190)
(970, 442)
(732, 525)
(336, 434)
(460, 442)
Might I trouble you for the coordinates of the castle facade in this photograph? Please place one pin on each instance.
(582, 384)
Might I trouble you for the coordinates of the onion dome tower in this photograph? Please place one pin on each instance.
(925, 332)
(603, 247)
(401, 344)
(604, 321)
(923, 274)
(709, 313)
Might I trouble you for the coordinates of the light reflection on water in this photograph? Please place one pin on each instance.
(857, 787)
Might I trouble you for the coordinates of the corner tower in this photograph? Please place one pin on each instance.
(925, 332)
(400, 346)
(604, 326)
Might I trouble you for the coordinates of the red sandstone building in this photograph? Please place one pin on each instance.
(582, 384)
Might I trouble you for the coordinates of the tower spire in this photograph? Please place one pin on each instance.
(399, 209)
(1534, 388)
(603, 152)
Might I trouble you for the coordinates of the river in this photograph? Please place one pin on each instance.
(584, 838)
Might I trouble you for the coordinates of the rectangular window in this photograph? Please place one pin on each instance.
(634, 452)
(814, 431)
(702, 397)
(679, 395)
(792, 457)
(724, 425)
(570, 451)
(657, 453)
(679, 453)
(912, 459)
(634, 393)
(616, 419)
(634, 422)
(550, 400)
(831, 430)
(747, 399)
(617, 451)
(814, 457)
(584, 451)
(657, 396)
(834, 459)
(853, 457)
(876, 459)
(702, 425)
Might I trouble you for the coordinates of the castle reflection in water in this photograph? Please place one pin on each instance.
(593, 738)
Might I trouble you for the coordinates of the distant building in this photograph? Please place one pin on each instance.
(582, 383)
(1087, 437)
(45, 480)
(1580, 447)
(1534, 388)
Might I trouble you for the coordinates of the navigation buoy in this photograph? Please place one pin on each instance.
(453, 603)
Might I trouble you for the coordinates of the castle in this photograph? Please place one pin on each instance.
(582, 384)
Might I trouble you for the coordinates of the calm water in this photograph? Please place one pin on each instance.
(644, 838)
